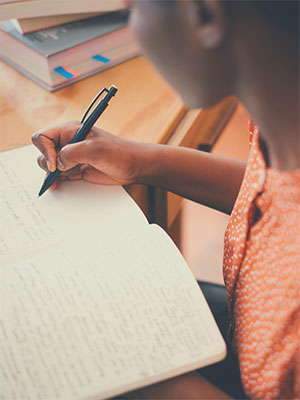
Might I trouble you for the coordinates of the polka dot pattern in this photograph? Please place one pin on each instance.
(261, 273)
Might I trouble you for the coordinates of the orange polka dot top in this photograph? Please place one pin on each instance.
(262, 272)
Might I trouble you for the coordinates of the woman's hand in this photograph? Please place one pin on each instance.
(110, 160)
(101, 158)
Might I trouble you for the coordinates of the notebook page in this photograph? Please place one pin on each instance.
(24, 227)
(33, 224)
(102, 318)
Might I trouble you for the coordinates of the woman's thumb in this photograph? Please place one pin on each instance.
(72, 155)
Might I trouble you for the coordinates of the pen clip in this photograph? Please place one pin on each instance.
(92, 103)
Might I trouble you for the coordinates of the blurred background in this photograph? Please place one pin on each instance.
(203, 228)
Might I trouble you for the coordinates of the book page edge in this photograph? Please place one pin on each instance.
(161, 377)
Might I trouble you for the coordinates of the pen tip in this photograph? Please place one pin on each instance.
(43, 190)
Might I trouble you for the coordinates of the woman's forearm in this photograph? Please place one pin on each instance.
(188, 387)
(107, 159)
(199, 176)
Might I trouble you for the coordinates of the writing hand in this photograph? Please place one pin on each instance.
(101, 158)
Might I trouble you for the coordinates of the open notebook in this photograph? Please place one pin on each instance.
(94, 300)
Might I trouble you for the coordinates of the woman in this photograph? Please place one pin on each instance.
(208, 49)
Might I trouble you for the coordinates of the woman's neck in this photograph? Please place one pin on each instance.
(269, 87)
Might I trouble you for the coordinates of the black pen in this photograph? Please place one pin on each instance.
(83, 131)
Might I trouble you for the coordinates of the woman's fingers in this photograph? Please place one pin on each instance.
(42, 163)
(48, 141)
(77, 153)
(48, 149)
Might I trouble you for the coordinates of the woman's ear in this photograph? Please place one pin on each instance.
(209, 19)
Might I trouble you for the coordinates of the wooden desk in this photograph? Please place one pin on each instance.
(145, 109)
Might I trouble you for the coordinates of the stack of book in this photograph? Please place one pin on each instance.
(55, 48)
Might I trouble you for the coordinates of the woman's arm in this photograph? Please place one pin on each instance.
(199, 176)
(107, 159)
(187, 387)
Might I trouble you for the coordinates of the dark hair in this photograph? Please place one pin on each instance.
(284, 14)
